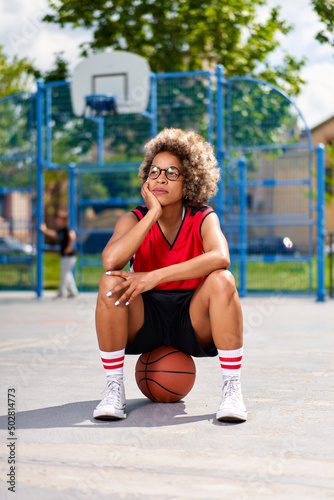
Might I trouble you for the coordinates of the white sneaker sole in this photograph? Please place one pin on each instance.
(109, 414)
(231, 416)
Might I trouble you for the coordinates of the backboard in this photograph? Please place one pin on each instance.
(119, 74)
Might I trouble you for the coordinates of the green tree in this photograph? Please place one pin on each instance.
(186, 34)
(58, 72)
(15, 75)
(325, 11)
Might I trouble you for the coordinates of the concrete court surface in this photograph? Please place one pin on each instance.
(168, 451)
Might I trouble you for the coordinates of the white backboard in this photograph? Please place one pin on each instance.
(124, 75)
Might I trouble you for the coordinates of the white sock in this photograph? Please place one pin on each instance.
(113, 363)
(230, 362)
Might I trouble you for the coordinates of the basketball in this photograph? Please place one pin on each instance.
(165, 375)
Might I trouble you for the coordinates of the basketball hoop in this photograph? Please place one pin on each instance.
(115, 82)
(101, 104)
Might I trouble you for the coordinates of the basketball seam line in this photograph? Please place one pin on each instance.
(164, 371)
(146, 371)
(158, 359)
(162, 387)
(154, 399)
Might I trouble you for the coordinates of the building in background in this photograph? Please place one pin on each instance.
(324, 133)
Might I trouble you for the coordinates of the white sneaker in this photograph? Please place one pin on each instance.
(113, 404)
(232, 408)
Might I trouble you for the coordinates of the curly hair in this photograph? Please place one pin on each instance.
(199, 165)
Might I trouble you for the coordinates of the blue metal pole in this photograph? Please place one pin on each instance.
(39, 189)
(31, 184)
(209, 110)
(72, 198)
(80, 226)
(243, 226)
(220, 141)
(48, 105)
(154, 105)
(320, 159)
(100, 140)
(72, 202)
(310, 215)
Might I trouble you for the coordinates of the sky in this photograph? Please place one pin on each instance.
(23, 33)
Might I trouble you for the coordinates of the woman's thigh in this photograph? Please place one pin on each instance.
(199, 315)
(217, 288)
(136, 317)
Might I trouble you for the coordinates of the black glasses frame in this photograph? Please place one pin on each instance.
(166, 173)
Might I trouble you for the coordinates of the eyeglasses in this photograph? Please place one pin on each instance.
(172, 173)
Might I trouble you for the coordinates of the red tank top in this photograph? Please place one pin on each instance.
(155, 252)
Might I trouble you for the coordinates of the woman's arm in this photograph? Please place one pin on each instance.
(129, 233)
(216, 256)
(48, 232)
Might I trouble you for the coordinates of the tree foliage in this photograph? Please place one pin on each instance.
(16, 77)
(58, 72)
(330, 172)
(15, 74)
(325, 11)
(185, 35)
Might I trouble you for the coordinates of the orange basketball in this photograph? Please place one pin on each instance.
(165, 375)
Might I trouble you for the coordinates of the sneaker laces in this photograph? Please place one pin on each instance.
(231, 392)
(112, 393)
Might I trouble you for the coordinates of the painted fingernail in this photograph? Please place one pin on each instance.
(109, 294)
(117, 303)
(127, 303)
(108, 273)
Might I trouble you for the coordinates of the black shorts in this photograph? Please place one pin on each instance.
(167, 322)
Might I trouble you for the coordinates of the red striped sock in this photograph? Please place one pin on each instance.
(113, 362)
(230, 362)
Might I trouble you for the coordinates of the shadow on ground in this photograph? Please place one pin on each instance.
(140, 413)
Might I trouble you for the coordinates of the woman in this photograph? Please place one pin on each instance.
(179, 292)
(66, 237)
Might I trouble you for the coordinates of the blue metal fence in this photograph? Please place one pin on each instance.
(17, 245)
(266, 193)
(101, 155)
(320, 210)
(267, 190)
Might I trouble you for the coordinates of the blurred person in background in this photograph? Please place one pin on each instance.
(65, 237)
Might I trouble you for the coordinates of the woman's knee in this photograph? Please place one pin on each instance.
(107, 283)
(222, 282)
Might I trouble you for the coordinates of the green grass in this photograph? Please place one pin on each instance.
(262, 277)
(90, 274)
(90, 277)
(15, 277)
(281, 276)
(51, 270)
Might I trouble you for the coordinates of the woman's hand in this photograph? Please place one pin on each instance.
(129, 233)
(151, 201)
(133, 285)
